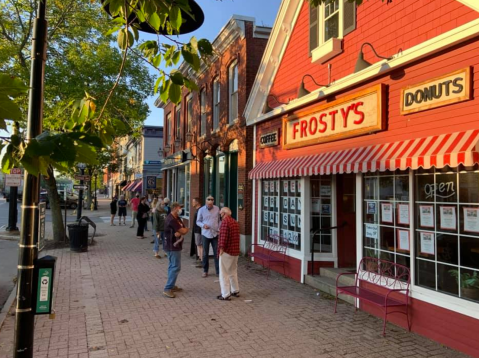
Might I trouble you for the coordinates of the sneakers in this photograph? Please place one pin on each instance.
(176, 289)
(169, 294)
(157, 256)
(235, 294)
(205, 274)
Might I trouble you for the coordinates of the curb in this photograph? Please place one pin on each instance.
(8, 305)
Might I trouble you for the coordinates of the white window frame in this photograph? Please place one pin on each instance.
(327, 49)
(216, 104)
(203, 112)
(233, 91)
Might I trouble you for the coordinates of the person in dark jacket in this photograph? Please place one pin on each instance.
(142, 216)
(197, 233)
(159, 222)
(122, 203)
(113, 210)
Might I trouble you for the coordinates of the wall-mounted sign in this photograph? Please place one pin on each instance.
(269, 139)
(450, 88)
(151, 182)
(351, 116)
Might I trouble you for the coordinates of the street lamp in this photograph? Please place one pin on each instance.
(95, 204)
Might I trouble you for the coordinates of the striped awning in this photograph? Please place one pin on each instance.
(128, 186)
(138, 186)
(125, 186)
(435, 151)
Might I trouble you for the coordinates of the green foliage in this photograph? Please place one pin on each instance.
(10, 88)
(467, 280)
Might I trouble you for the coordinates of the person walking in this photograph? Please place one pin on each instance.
(113, 210)
(134, 208)
(209, 221)
(197, 233)
(142, 216)
(173, 244)
(159, 218)
(228, 251)
(122, 203)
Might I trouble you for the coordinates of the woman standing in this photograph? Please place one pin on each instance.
(159, 227)
(113, 209)
(142, 217)
(154, 203)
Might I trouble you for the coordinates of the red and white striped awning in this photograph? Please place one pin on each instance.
(435, 151)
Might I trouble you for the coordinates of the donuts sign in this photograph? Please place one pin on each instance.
(353, 115)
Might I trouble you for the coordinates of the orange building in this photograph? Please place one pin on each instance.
(375, 131)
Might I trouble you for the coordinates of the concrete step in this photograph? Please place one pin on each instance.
(345, 280)
(328, 285)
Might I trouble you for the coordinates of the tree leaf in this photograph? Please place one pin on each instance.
(9, 109)
(176, 77)
(205, 47)
(175, 93)
(11, 86)
(154, 21)
(175, 18)
(164, 90)
(191, 85)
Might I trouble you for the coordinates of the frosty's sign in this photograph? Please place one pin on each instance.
(353, 115)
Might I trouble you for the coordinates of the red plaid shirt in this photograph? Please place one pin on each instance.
(229, 238)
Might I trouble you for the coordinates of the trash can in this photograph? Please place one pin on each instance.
(78, 237)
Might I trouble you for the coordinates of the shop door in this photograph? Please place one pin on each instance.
(346, 213)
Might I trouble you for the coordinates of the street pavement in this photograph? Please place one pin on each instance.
(109, 303)
(8, 268)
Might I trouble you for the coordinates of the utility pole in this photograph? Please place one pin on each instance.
(28, 251)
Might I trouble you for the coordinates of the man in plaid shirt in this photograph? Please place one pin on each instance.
(228, 250)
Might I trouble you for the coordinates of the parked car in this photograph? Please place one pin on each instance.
(71, 202)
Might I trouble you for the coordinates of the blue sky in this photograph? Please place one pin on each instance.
(217, 14)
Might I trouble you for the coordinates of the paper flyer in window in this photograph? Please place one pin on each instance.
(448, 219)
(298, 221)
(265, 216)
(277, 186)
(285, 186)
(428, 245)
(266, 186)
(471, 219)
(299, 186)
(266, 201)
(326, 209)
(403, 214)
(292, 203)
(276, 218)
(271, 218)
(292, 220)
(325, 190)
(285, 204)
(315, 205)
(371, 231)
(285, 220)
(371, 208)
(299, 204)
(426, 215)
(403, 239)
(292, 186)
(295, 238)
(271, 201)
(387, 213)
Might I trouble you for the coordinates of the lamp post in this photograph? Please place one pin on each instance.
(82, 167)
(95, 204)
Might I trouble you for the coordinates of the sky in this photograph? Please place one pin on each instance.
(217, 13)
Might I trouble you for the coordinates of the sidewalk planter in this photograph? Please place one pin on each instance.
(78, 237)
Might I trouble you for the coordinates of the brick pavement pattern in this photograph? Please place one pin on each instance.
(109, 303)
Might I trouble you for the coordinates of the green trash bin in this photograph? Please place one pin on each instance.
(78, 237)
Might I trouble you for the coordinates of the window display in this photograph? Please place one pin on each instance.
(282, 210)
(447, 234)
(386, 216)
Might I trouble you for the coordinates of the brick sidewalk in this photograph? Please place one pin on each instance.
(109, 304)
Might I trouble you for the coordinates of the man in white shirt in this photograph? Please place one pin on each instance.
(209, 222)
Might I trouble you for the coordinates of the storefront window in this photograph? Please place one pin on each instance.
(187, 189)
(386, 216)
(281, 210)
(208, 170)
(447, 231)
(321, 213)
(180, 188)
(220, 180)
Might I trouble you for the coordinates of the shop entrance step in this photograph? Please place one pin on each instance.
(326, 282)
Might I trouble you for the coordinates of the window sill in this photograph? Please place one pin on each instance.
(327, 50)
(231, 124)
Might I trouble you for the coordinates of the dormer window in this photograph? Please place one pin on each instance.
(328, 24)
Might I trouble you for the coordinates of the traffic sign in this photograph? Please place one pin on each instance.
(16, 171)
(82, 177)
(80, 187)
(13, 180)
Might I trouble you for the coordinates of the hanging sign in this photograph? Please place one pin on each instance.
(450, 88)
(350, 116)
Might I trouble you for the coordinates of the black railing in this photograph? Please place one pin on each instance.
(313, 233)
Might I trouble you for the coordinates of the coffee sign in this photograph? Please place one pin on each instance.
(440, 91)
(269, 139)
(353, 115)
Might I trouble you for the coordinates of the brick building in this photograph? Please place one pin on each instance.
(385, 148)
(207, 146)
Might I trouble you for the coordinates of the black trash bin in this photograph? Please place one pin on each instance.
(78, 237)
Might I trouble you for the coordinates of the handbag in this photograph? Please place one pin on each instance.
(145, 215)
